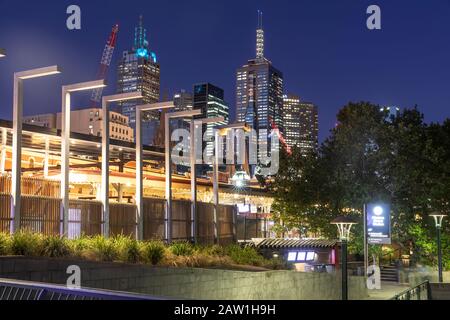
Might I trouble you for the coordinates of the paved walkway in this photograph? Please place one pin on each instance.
(388, 291)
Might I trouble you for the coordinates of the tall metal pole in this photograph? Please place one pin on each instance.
(216, 186)
(344, 270)
(65, 159)
(16, 153)
(4, 143)
(366, 245)
(168, 172)
(105, 166)
(139, 177)
(193, 183)
(439, 248)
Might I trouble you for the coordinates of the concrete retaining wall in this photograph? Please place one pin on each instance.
(202, 284)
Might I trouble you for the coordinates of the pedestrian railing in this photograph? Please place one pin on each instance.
(420, 292)
(12, 290)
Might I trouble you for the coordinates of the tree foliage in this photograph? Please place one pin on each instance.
(368, 157)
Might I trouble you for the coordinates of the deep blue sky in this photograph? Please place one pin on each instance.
(323, 47)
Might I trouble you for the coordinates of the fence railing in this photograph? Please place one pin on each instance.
(29, 291)
(420, 292)
(43, 215)
(33, 186)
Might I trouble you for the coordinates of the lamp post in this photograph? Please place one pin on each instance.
(221, 132)
(19, 77)
(106, 101)
(344, 225)
(139, 162)
(438, 219)
(65, 142)
(168, 171)
(193, 152)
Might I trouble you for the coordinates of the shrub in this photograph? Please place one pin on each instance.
(184, 249)
(128, 249)
(55, 247)
(214, 250)
(5, 244)
(25, 243)
(80, 247)
(245, 255)
(153, 252)
(104, 249)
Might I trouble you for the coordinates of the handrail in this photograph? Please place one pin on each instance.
(416, 291)
(43, 291)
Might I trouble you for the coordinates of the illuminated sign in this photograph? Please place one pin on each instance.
(301, 256)
(379, 223)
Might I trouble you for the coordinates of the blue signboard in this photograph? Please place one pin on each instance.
(379, 223)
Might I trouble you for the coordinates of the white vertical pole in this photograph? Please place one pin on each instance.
(65, 159)
(193, 183)
(4, 143)
(139, 177)
(105, 166)
(168, 171)
(216, 186)
(16, 153)
(46, 157)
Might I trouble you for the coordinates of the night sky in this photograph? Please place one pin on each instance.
(327, 54)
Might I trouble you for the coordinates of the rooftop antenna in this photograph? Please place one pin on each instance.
(260, 37)
(260, 20)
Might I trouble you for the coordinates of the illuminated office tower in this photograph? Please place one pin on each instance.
(210, 99)
(301, 124)
(259, 92)
(138, 70)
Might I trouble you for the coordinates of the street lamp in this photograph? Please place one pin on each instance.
(344, 225)
(438, 219)
(168, 171)
(221, 132)
(2, 53)
(65, 142)
(17, 136)
(193, 152)
(139, 161)
(106, 101)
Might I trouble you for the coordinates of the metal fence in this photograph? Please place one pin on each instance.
(249, 228)
(29, 291)
(43, 215)
(33, 186)
(420, 292)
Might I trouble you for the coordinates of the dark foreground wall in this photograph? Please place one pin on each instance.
(202, 284)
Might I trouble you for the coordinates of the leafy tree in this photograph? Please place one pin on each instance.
(368, 157)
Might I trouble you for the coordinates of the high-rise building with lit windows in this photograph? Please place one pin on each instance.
(301, 124)
(210, 99)
(259, 92)
(138, 70)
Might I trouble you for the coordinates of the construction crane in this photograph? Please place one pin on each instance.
(276, 130)
(104, 64)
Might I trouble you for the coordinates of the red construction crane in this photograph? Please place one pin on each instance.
(104, 64)
(283, 141)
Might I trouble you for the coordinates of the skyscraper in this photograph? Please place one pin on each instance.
(138, 70)
(301, 124)
(183, 101)
(210, 99)
(259, 92)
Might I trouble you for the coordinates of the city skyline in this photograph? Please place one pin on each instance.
(330, 78)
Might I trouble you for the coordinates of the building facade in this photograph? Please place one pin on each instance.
(210, 99)
(259, 94)
(87, 121)
(138, 70)
(301, 122)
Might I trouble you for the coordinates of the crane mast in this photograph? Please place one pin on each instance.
(104, 64)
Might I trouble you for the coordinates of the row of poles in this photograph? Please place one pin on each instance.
(67, 92)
